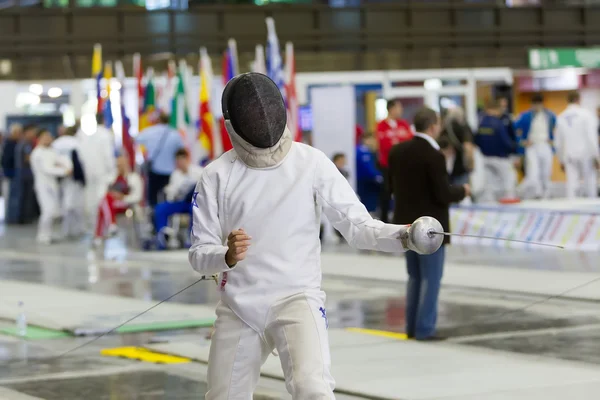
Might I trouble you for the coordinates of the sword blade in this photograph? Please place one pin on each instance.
(498, 238)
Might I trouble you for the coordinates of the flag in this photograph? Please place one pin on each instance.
(126, 139)
(97, 74)
(230, 69)
(147, 116)
(180, 116)
(258, 65)
(206, 123)
(274, 61)
(139, 76)
(293, 120)
(107, 106)
(165, 97)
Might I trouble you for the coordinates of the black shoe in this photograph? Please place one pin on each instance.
(434, 338)
(410, 337)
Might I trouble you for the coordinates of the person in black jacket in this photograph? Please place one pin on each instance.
(420, 186)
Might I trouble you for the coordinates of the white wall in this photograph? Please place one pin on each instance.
(590, 99)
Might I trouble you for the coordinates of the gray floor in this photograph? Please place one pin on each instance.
(561, 329)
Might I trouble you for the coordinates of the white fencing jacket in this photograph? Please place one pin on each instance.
(181, 183)
(576, 134)
(47, 165)
(280, 208)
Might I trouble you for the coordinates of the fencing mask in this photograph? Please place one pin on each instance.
(254, 106)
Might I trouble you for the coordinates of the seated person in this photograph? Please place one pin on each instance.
(126, 191)
(178, 192)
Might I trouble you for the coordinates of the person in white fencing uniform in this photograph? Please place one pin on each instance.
(47, 165)
(99, 165)
(577, 148)
(256, 213)
(72, 189)
(535, 130)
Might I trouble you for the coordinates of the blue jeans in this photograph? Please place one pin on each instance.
(424, 279)
(163, 211)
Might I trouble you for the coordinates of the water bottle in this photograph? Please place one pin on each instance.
(21, 321)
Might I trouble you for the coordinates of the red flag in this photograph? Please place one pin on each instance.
(228, 73)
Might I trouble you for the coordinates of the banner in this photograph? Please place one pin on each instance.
(564, 57)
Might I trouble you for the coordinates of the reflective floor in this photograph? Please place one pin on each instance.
(557, 328)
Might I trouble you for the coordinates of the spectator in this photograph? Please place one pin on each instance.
(535, 131)
(506, 117)
(8, 164)
(125, 192)
(368, 178)
(390, 131)
(179, 193)
(161, 143)
(419, 181)
(460, 137)
(47, 165)
(23, 205)
(339, 159)
(496, 146)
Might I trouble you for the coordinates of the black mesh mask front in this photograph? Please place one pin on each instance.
(253, 104)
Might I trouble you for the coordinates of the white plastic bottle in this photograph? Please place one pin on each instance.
(21, 321)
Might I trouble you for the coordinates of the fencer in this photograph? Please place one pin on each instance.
(577, 148)
(256, 213)
(99, 166)
(535, 129)
(47, 165)
(72, 187)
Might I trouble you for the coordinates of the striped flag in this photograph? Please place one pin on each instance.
(180, 115)
(230, 69)
(107, 106)
(127, 141)
(258, 65)
(139, 77)
(206, 123)
(293, 120)
(97, 74)
(274, 61)
(147, 116)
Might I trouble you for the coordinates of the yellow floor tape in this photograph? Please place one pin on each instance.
(136, 353)
(375, 332)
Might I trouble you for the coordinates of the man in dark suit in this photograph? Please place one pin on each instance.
(420, 186)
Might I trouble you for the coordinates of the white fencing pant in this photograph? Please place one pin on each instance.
(5, 194)
(49, 202)
(73, 207)
(95, 190)
(581, 171)
(500, 178)
(296, 328)
(538, 171)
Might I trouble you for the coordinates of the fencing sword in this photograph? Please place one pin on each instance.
(433, 232)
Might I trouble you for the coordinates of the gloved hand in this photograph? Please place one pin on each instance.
(419, 238)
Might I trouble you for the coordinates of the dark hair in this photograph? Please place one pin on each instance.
(337, 156)
(444, 142)
(29, 127)
(424, 119)
(573, 97)
(40, 132)
(392, 102)
(366, 135)
(71, 131)
(182, 153)
(537, 98)
(164, 118)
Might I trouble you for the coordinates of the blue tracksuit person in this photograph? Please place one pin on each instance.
(535, 130)
(496, 145)
(368, 177)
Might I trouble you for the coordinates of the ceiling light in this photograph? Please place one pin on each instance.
(36, 89)
(54, 92)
